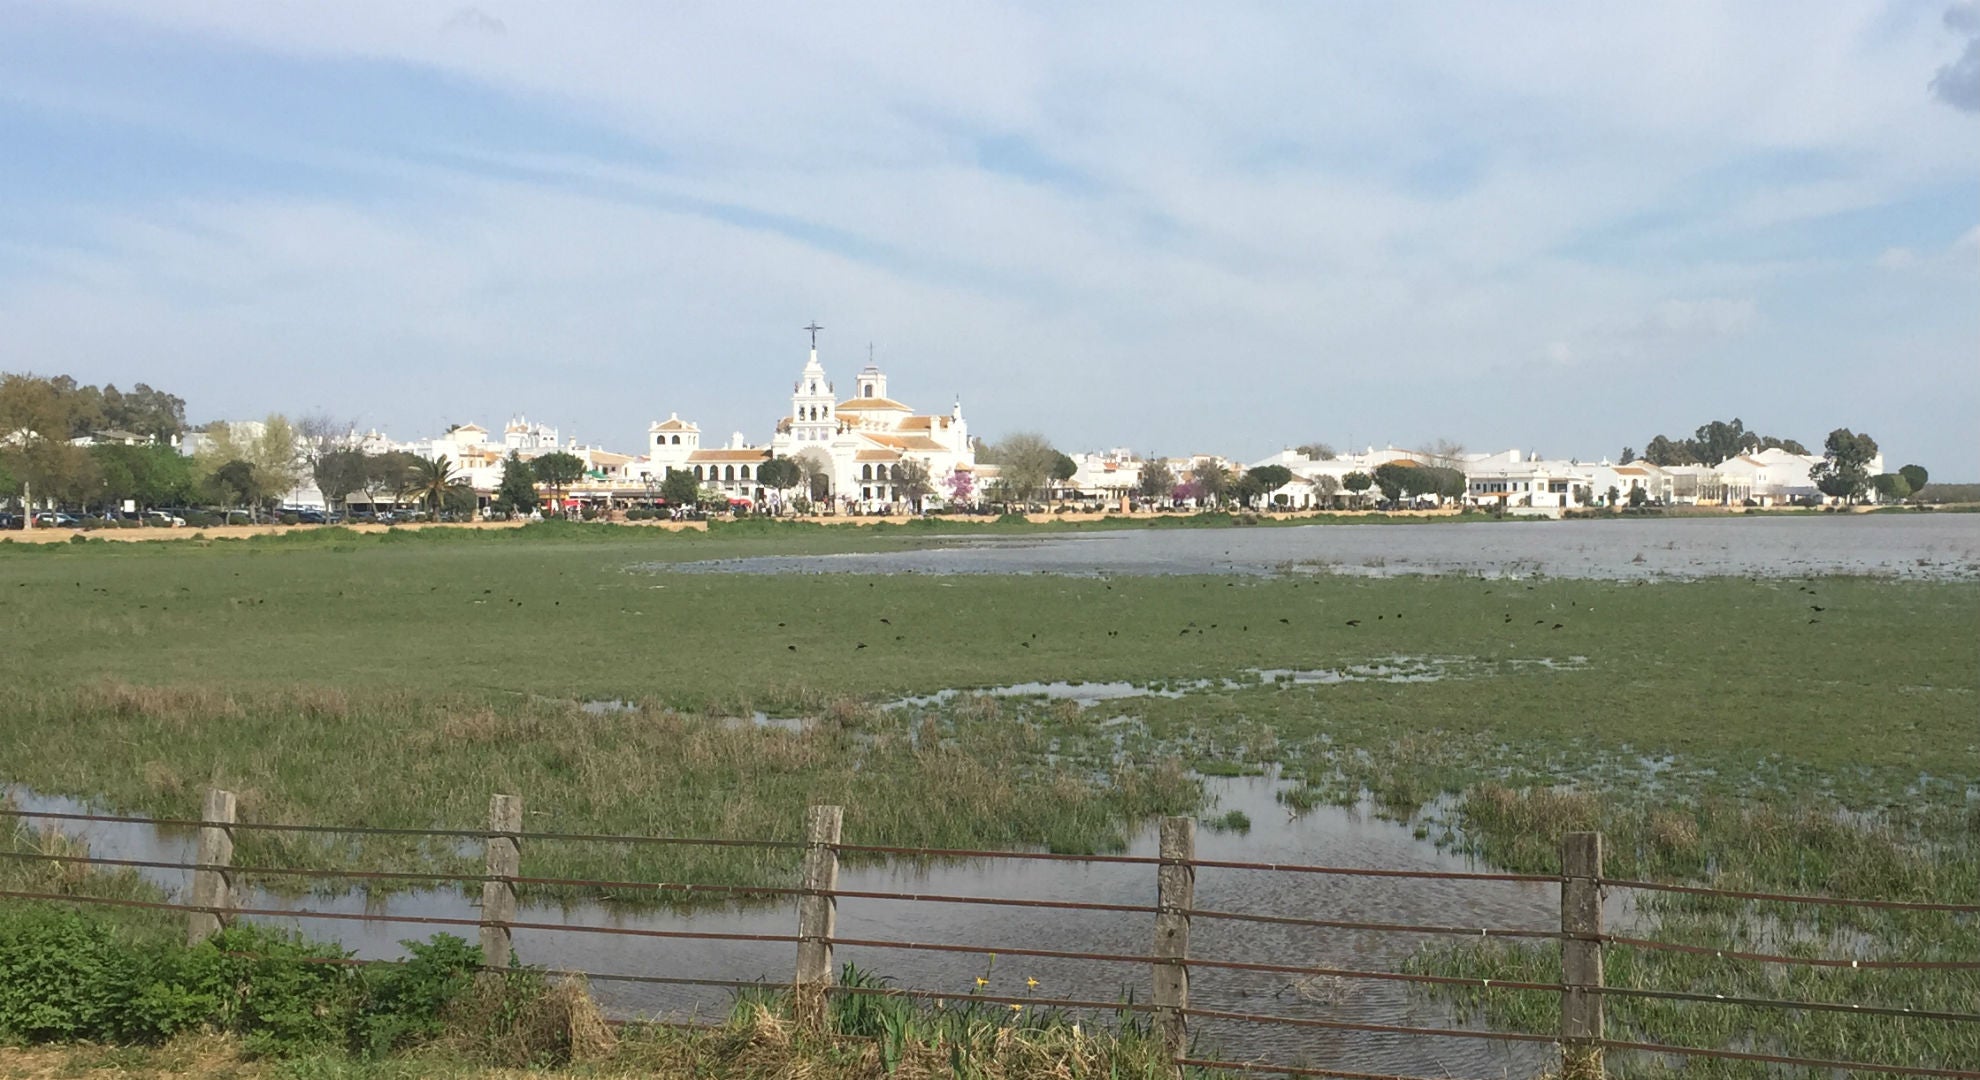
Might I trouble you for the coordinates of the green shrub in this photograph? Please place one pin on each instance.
(66, 977)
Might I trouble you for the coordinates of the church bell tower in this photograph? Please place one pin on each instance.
(812, 400)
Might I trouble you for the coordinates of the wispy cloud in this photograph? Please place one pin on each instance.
(1167, 228)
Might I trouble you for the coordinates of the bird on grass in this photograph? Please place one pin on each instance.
(793, 648)
(1354, 622)
(859, 646)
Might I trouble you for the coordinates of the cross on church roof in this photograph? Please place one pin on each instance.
(814, 328)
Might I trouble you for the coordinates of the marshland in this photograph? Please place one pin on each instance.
(1805, 727)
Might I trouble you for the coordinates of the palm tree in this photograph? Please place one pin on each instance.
(430, 479)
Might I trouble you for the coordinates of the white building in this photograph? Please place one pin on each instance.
(860, 447)
(1519, 481)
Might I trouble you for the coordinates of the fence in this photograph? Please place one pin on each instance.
(1581, 990)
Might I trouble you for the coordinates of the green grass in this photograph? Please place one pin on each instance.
(1721, 731)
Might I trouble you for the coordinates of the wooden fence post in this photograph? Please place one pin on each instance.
(1581, 956)
(212, 888)
(502, 861)
(1175, 895)
(818, 915)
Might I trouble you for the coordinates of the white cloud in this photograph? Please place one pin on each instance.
(1280, 198)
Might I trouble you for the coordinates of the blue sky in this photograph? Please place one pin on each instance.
(1563, 227)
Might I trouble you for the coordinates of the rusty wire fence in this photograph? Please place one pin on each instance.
(1163, 969)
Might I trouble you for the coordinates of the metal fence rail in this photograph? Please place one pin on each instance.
(213, 901)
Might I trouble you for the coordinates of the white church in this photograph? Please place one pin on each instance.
(857, 447)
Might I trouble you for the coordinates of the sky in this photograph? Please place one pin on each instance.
(1230, 228)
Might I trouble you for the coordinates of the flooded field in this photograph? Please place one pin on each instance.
(1335, 836)
(1914, 546)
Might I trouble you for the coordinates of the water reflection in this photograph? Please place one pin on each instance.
(1940, 546)
(1338, 836)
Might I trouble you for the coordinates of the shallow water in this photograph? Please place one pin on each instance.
(1937, 546)
(1337, 836)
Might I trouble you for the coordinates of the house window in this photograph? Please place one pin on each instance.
(866, 391)
(745, 472)
(729, 474)
(697, 473)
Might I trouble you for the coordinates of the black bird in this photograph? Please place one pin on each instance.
(1184, 632)
(1812, 622)
(1816, 607)
(793, 648)
(859, 646)
(1354, 622)
(485, 592)
(886, 620)
(1026, 644)
(1557, 626)
(780, 624)
(1288, 622)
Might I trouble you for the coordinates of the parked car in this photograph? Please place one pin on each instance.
(55, 519)
(163, 518)
(10, 521)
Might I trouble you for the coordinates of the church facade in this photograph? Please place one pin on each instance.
(861, 452)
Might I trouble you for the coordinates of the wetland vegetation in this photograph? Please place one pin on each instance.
(1793, 734)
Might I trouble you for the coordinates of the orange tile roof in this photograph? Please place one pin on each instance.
(904, 442)
(861, 404)
(730, 455)
(877, 455)
(673, 425)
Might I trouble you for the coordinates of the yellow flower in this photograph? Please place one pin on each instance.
(982, 982)
(1031, 983)
(1017, 1008)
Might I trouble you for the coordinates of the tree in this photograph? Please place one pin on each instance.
(1157, 481)
(148, 475)
(431, 478)
(1024, 460)
(780, 474)
(1441, 481)
(1394, 478)
(1890, 487)
(35, 421)
(338, 473)
(1210, 481)
(1357, 482)
(1269, 478)
(1628, 455)
(387, 474)
(1721, 440)
(516, 494)
(1317, 451)
(961, 485)
(1064, 468)
(1444, 451)
(911, 479)
(271, 453)
(1789, 445)
(557, 471)
(1845, 466)
(680, 488)
(233, 483)
(154, 414)
(1325, 486)
(1916, 476)
(817, 470)
(1664, 452)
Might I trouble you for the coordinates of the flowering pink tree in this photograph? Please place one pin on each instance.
(961, 485)
(1184, 491)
